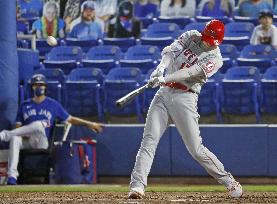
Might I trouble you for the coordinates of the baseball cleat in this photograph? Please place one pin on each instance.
(235, 189)
(136, 193)
(11, 181)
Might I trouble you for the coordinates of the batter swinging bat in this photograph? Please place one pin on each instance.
(130, 96)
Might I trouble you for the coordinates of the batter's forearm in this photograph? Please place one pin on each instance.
(184, 74)
(166, 59)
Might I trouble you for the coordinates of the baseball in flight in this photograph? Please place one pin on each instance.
(51, 41)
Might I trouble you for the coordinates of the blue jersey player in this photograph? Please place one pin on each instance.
(35, 118)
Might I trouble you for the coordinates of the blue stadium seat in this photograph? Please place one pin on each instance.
(245, 19)
(28, 62)
(64, 57)
(148, 94)
(85, 44)
(55, 79)
(240, 91)
(82, 92)
(144, 57)
(224, 19)
(181, 21)
(238, 34)
(22, 27)
(229, 54)
(269, 91)
(160, 34)
(22, 44)
(195, 26)
(30, 9)
(257, 55)
(87, 74)
(209, 98)
(103, 56)
(43, 47)
(123, 43)
(145, 21)
(118, 82)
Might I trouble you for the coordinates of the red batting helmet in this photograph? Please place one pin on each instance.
(213, 32)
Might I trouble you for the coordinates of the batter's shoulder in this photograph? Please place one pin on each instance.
(190, 35)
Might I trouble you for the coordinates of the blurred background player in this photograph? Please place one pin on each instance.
(35, 119)
(266, 32)
(189, 62)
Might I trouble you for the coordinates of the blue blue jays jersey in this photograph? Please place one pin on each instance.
(48, 110)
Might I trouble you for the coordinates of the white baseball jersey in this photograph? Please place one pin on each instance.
(190, 53)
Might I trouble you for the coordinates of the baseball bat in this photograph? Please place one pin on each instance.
(130, 96)
(67, 127)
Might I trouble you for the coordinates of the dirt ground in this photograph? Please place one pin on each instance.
(119, 197)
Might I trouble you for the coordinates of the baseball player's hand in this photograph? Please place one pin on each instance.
(157, 72)
(156, 81)
(96, 127)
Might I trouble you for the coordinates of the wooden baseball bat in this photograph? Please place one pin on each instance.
(130, 96)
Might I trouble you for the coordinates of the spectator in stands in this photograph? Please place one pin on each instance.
(49, 24)
(266, 32)
(145, 9)
(35, 120)
(217, 8)
(105, 10)
(178, 8)
(125, 24)
(88, 28)
(251, 8)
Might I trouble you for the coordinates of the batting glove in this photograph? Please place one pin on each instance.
(156, 81)
(157, 72)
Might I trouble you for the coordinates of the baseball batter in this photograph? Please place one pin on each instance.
(35, 118)
(189, 62)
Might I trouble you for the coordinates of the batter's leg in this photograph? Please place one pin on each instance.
(185, 117)
(156, 124)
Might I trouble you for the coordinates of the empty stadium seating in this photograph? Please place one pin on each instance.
(160, 34)
(103, 56)
(123, 43)
(260, 56)
(119, 82)
(238, 33)
(240, 89)
(144, 57)
(269, 91)
(85, 44)
(64, 57)
(229, 53)
(82, 92)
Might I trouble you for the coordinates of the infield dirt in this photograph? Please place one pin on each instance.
(121, 197)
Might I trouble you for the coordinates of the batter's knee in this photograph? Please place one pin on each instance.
(197, 153)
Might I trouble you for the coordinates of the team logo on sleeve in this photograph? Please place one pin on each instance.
(209, 67)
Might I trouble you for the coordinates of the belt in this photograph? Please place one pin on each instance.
(180, 86)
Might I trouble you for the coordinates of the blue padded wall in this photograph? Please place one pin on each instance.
(8, 65)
